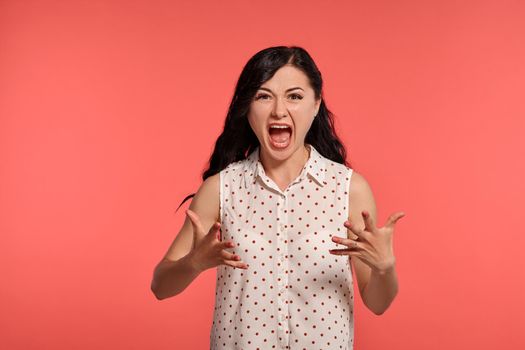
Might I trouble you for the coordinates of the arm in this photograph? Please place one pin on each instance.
(377, 288)
(176, 270)
(172, 277)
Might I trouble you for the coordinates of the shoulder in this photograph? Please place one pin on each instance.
(210, 186)
(360, 193)
(235, 173)
(237, 166)
(358, 182)
(206, 200)
(207, 196)
(335, 169)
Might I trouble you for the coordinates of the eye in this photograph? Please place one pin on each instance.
(298, 97)
(258, 97)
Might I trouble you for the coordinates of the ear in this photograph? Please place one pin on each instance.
(317, 106)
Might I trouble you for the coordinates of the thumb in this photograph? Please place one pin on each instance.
(198, 231)
(392, 220)
(214, 230)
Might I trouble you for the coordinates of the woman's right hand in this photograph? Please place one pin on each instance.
(207, 250)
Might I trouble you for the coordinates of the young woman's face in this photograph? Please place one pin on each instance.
(286, 99)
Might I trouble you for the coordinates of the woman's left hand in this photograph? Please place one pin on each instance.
(374, 246)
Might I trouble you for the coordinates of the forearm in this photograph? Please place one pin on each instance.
(380, 290)
(172, 277)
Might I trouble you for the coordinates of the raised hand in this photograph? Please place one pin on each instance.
(207, 250)
(374, 246)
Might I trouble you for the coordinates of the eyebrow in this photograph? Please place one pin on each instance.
(290, 89)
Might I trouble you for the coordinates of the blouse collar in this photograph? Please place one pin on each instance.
(315, 167)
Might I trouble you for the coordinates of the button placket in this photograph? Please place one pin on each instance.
(282, 268)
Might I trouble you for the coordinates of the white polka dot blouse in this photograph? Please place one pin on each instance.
(294, 294)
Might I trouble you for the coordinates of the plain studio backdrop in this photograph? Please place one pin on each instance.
(109, 111)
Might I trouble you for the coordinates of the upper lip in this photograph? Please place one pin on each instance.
(280, 124)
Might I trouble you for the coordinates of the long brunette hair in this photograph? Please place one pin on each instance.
(238, 140)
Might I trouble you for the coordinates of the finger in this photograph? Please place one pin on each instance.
(226, 245)
(229, 256)
(236, 264)
(350, 252)
(195, 221)
(350, 243)
(212, 233)
(370, 225)
(360, 233)
(350, 233)
(197, 236)
(392, 220)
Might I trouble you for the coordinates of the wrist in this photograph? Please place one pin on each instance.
(192, 263)
(386, 269)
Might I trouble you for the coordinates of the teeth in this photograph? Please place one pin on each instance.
(279, 126)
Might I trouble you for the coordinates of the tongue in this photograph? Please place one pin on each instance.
(280, 135)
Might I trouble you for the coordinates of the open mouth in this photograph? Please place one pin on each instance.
(280, 135)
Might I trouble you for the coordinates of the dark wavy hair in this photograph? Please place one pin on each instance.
(238, 140)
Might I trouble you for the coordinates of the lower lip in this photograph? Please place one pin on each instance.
(280, 145)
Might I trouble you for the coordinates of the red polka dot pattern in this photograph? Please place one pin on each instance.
(294, 294)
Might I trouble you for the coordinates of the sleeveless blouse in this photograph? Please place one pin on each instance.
(294, 294)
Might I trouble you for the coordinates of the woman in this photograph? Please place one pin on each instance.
(277, 200)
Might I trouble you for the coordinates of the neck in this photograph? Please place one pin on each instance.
(282, 172)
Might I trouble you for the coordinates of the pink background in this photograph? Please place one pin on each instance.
(109, 111)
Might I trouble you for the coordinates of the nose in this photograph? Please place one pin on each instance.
(279, 108)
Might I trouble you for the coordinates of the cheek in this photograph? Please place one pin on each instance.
(256, 124)
(304, 127)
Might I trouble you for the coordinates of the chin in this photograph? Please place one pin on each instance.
(281, 154)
